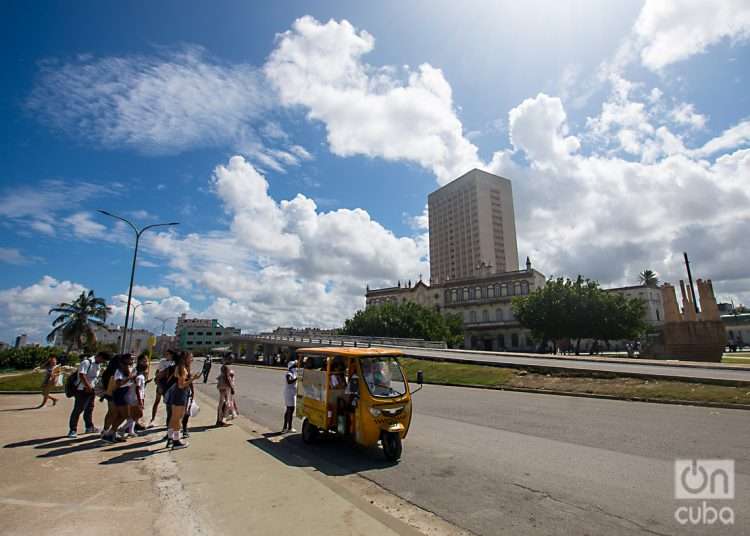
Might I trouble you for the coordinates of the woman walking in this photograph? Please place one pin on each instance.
(102, 389)
(142, 368)
(163, 378)
(186, 417)
(225, 385)
(135, 399)
(51, 372)
(123, 379)
(177, 398)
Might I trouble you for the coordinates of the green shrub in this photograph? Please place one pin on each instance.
(29, 357)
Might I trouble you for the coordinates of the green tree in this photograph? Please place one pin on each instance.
(576, 310)
(405, 320)
(547, 311)
(76, 320)
(616, 318)
(648, 278)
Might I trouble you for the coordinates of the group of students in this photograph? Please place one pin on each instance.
(121, 381)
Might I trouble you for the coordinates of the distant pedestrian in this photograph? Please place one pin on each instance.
(290, 396)
(87, 375)
(51, 371)
(206, 369)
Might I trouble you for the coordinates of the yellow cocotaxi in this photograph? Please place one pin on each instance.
(358, 393)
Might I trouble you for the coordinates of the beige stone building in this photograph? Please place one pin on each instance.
(484, 304)
(651, 297)
(472, 228)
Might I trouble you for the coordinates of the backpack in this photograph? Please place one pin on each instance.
(166, 378)
(102, 387)
(71, 385)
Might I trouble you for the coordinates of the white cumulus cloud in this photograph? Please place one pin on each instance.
(388, 112)
(673, 31)
(24, 309)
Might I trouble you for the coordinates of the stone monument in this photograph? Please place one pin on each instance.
(690, 333)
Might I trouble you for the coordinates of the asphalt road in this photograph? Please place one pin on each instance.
(496, 462)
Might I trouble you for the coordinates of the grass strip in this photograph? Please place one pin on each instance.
(443, 373)
(31, 381)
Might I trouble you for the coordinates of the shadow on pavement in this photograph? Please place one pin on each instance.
(32, 442)
(66, 442)
(95, 442)
(19, 409)
(133, 455)
(331, 456)
(134, 444)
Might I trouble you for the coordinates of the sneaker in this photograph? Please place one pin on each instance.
(139, 427)
(109, 438)
(169, 442)
(292, 430)
(179, 445)
(120, 439)
(185, 435)
(72, 434)
(92, 430)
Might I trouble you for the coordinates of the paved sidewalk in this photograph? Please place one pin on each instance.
(221, 484)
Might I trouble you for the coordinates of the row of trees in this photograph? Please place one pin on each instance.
(406, 320)
(566, 309)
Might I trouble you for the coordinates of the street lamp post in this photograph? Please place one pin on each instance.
(132, 322)
(164, 322)
(138, 234)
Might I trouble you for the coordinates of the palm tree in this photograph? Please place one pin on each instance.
(649, 278)
(76, 319)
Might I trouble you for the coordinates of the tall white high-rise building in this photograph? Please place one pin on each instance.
(472, 228)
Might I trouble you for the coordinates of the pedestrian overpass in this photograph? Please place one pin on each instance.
(246, 346)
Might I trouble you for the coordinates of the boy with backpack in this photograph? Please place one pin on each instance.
(82, 386)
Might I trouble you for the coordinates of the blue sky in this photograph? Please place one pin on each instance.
(296, 144)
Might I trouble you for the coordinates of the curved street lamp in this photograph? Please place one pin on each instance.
(164, 321)
(138, 234)
(132, 322)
